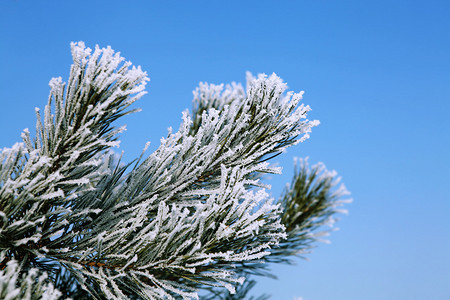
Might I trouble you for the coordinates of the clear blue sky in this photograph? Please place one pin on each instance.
(376, 74)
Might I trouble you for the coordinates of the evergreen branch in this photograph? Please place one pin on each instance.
(40, 180)
(309, 203)
(162, 189)
(188, 217)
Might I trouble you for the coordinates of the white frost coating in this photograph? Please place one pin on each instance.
(56, 234)
(35, 238)
(80, 181)
(56, 194)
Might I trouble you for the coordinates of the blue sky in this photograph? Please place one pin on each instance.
(376, 74)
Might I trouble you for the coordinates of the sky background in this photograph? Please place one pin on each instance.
(375, 73)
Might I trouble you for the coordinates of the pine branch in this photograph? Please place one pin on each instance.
(212, 226)
(309, 203)
(192, 215)
(40, 180)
